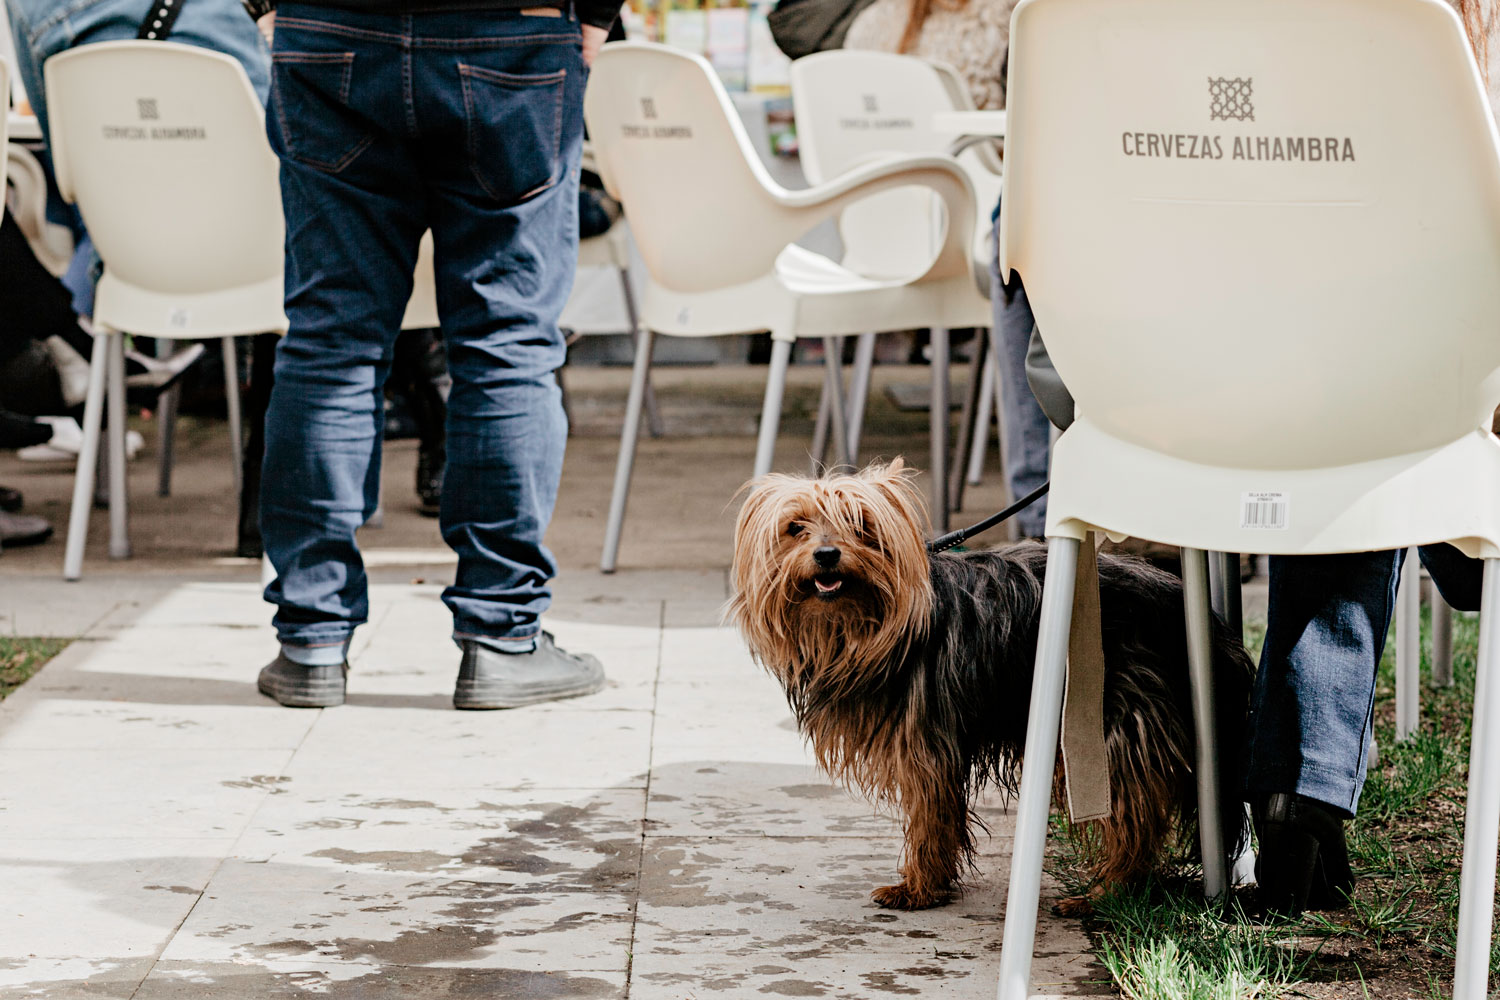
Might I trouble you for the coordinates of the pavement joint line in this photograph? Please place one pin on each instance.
(640, 857)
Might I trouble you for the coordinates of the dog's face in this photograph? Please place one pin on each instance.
(826, 566)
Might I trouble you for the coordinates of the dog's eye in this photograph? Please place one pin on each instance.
(794, 529)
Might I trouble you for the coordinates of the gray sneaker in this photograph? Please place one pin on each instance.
(297, 686)
(491, 679)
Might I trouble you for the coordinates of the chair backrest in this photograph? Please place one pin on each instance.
(670, 146)
(162, 146)
(855, 106)
(1276, 217)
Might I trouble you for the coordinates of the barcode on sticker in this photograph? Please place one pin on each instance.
(1264, 510)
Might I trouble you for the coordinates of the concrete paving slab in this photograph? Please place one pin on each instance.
(50, 723)
(276, 980)
(743, 798)
(130, 794)
(285, 912)
(73, 978)
(97, 900)
(407, 744)
(546, 840)
(748, 897)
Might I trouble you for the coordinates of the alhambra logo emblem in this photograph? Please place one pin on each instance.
(648, 108)
(1229, 100)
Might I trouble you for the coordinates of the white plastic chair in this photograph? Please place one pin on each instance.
(716, 234)
(1352, 297)
(855, 106)
(162, 146)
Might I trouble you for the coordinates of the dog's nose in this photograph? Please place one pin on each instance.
(826, 556)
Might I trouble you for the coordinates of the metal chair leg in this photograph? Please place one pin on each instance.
(88, 460)
(1033, 804)
(631, 430)
(1476, 907)
(938, 414)
(982, 418)
(818, 453)
(1224, 589)
(654, 423)
(1442, 641)
(236, 422)
(833, 391)
(968, 421)
(770, 412)
(1196, 601)
(166, 426)
(859, 390)
(1408, 647)
(119, 496)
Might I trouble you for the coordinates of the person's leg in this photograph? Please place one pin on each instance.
(504, 126)
(1027, 433)
(353, 200)
(1326, 625)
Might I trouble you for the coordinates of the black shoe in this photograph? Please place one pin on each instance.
(10, 500)
(488, 678)
(22, 529)
(1303, 862)
(297, 686)
(430, 465)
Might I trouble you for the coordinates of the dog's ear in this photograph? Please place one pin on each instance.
(894, 481)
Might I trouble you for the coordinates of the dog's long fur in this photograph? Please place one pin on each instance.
(912, 676)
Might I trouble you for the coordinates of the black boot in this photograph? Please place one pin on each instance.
(1303, 862)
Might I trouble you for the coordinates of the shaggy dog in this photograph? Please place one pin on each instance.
(910, 672)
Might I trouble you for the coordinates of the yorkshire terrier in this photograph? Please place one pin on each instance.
(910, 673)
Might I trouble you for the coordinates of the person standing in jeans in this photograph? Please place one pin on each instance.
(392, 117)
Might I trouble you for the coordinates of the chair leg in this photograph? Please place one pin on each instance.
(968, 421)
(859, 390)
(631, 430)
(770, 411)
(1224, 588)
(119, 496)
(88, 461)
(1033, 804)
(166, 427)
(1408, 647)
(818, 453)
(1196, 601)
(982, 417)
(236, 421)
(833, 367)
(1476, 905)
(654, 423)
(938, 415)
(1442, 641)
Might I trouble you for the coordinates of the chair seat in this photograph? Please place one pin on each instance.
(833, 300)
(1451, 493)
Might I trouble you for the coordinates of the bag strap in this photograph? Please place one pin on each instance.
(159, 20)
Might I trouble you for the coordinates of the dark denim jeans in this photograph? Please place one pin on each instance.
(1311, 710)
(1027, 444)
(470, 124)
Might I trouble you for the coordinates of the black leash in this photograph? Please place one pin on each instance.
(945, 542)
(159, 20)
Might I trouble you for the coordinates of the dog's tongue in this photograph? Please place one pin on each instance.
(828, 588)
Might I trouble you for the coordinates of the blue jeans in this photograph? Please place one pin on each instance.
(469, 124)
(43, 28)
(1028, 433)
(1312, 705)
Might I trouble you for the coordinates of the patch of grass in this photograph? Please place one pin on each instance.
(20, 658)
(1396, 939)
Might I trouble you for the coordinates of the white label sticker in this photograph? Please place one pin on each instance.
(1264, 510)
(179, 318)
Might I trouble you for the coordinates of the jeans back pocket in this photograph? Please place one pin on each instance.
(514, 126)
(310, 94)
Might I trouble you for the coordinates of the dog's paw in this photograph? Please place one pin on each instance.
(904, 897)
(1075, 906)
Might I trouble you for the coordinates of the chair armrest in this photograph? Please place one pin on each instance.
(943, 176)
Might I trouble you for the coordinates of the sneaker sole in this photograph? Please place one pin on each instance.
(469, 696)
(330, 695)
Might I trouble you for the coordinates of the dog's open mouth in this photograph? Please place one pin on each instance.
(828, 584)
